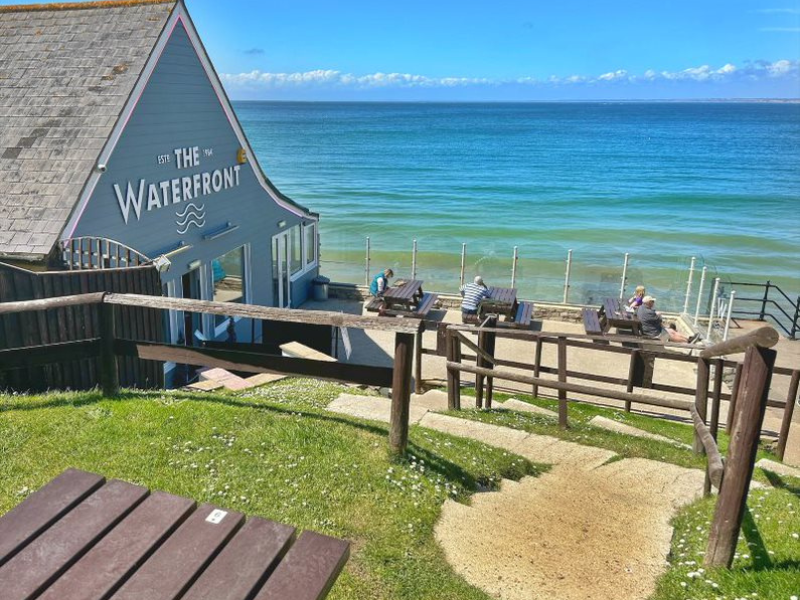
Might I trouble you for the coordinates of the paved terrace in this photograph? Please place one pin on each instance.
(376, 347)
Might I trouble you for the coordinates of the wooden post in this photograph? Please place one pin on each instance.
(701, 400)
(714, 426)
(737, 379)
(109, 375)
(537, 364)
(418, 361)
(562, 377)
(631, 375)
(741, 457)
(453, 375)
(491, 345)
(787, 413)
(401, 392)
(486, 342)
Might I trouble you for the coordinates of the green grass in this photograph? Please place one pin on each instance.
(273, 453)
(580, 431)
(767, 560)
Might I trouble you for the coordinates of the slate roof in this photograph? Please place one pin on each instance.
(66, 71)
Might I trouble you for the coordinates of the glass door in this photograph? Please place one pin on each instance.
(281, 273)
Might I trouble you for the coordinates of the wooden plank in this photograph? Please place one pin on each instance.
(572, 387)
(37, 565)
(43, 508)
(727, 521)
(737, 380)
(174, 567)
(244, 563)
(453, 353)
(701, 400)
(252, 362)
(108, 372)
(309, 570)
(788, 411)
(114, 558)
(16, 358)
(252, 311)
(715, 467)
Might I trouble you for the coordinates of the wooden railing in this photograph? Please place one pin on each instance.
(642, 355)
(733, 480)
(108, 347)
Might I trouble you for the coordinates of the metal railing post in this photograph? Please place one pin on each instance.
(624, 277)
(514, 267)
(414, 260)
(463, 260)
(689, 286)
(566, 276)
(728, 317)
(713, 307)
(796, 320)
(764, 301)
(366, 267)
(700, 295)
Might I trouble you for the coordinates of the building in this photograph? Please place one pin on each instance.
(119, 147)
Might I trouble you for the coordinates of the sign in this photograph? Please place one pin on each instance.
(348, 348)
(144, 196)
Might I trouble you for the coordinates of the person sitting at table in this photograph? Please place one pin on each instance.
(635, 301)
(652, 324)
(380, 283)
(473, 293)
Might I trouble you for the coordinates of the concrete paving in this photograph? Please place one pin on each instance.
(376, 347)
(612, 425)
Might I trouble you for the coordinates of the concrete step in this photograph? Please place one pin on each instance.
(778, 468)
(432, 400)
(374, 408)
(616, 426)
(519, 405)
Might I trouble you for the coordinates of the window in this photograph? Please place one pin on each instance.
(310, 233)
(295, 250)
(228, 276)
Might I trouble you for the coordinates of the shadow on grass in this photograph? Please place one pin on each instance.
(758, 550)
(778, 482)
(433, 462)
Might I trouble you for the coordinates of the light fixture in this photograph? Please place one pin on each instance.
(162, 263)
(281, 224)
(195, 264)
(177, 249)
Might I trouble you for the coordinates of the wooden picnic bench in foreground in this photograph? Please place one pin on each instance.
(81, 537)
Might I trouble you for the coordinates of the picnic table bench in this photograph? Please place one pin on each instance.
(617, 316)
(81, 537)
(406, 299)
(503, 301)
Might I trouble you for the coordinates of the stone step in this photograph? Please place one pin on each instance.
(519, 405)
(616, 426)
(778, 468)
(374, 408)
(432, 400)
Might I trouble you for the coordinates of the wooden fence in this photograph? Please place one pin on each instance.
(643, 355)
(110, 345)
(75, 322)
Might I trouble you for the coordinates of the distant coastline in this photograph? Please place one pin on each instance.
(566, 101)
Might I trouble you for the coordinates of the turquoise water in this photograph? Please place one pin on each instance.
(662, 182)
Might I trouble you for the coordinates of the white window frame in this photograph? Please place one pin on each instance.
(306, 266)
(247, 298)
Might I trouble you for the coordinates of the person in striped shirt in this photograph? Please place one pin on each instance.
(473, 294)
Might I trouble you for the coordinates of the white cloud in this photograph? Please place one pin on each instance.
(759, 70)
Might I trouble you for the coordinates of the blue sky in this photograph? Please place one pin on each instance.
(502, 50)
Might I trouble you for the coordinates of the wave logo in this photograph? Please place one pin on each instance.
(191, 215)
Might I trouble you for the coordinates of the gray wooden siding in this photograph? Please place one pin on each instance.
(178, 109)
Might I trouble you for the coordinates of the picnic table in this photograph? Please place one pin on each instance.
(82, 537)
(503, 302)
(405, 299)
(617, 316)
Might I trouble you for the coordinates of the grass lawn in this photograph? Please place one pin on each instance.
(579, 415)
(274, 453)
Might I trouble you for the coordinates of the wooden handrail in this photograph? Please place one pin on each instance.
(251, 311)
(50, 303)
(716, 468)
(570, 387)
(763, 337)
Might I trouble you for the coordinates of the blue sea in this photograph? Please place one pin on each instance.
(663, 182)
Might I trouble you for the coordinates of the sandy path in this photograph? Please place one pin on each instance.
(571, 534)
